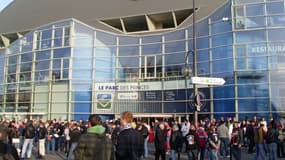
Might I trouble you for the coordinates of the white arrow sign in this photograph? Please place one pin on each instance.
(208, 81)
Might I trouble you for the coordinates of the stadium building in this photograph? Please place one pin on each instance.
(66, 59)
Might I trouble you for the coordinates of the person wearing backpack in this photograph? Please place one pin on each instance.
(7, 151)
(28, 142)
(271, 141)
(236, 139)
(192, 143)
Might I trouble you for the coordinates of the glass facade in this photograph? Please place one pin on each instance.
(67, 70)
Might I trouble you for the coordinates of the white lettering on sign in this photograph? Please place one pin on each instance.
(124, 87)
(277, 48)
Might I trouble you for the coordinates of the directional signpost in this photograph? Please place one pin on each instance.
(208, 81)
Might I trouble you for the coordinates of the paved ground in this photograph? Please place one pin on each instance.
(61, 156)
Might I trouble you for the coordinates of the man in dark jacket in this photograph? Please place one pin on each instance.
(94, 144)
(129, 142)
(192, 143)
(42, 132)
(74, 139)
(28, 142)
(176, 141)
(144, 133)
(160, 141)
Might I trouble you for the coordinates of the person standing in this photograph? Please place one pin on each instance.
(176, 141)
(223, 132)
(42, 132)
(259, 135)
(160, 142)
(94, 144)
(236, 139)
(130, 143)
(28, 142)
(74, 139)
(203, 136)
(6, 148)
(192, 143)
(214, 144)
(144, 133)
(280, 141)
(271, 140)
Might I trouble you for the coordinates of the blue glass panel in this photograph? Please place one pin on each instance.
(276, 35)
(177, 35)
(42, 55)
(128, 51)
(174, 107)
(252, 22)
(81, 87)
(202, 28)
(175, 46)
(62, 52)
(202, 55)
(250, 36)
(241, 63)
(221, 27)
(220, 40)
(105, 39)
(42, 75)
(258, 90)
(83, 52)
(27, 57)
(224, 106)
(224, 65)
(128, 62)
(12, 59)
(222, 52)
(25, 67)
(105, 52)
(257, 63)
(81, 63)
(46, 34)
(177, 58)
(276, 20)
(42, 65)
(127, 40)
(253, 105)
(104, 62)
(202, 42)
(27, 42)
(152, 49)
(79, 109)
(81, 75)
(82, 96)
(203, 68)
(151, 39)
(224, 92)
(275, 8)
(83, 36)
(254, 9)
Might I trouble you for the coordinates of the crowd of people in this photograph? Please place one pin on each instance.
(128, 138)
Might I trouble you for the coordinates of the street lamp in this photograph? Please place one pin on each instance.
(186, 71)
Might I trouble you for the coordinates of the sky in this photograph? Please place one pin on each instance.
(4, 3)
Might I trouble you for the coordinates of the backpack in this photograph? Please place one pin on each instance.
(7, 155)
(271, 136)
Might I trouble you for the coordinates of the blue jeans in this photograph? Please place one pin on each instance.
(224, 150)
(236, 153)
(272, 150)
(173, 154)
(213, 154)
(51, 145)
(145, 148)
(259, 151)
(71, 150)
(27, 148)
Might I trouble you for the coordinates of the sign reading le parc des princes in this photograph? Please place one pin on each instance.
(208, 81)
